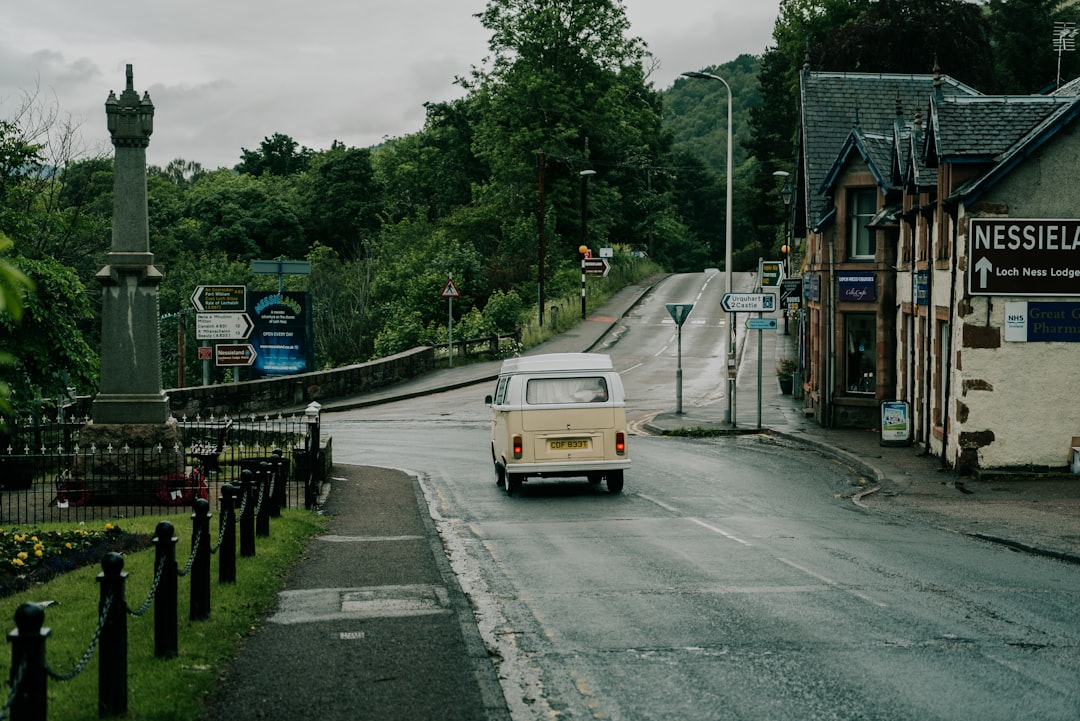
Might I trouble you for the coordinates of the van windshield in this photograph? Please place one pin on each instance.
(546, 391)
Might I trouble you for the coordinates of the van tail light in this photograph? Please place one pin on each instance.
(620, 443)
(517, 446)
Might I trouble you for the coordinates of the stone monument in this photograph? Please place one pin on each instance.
(130, 408)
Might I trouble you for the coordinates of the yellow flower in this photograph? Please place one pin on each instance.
(39, 553)
(23, 555)
(109, 526)
(34, 538)
(16, 562)
(68, 545)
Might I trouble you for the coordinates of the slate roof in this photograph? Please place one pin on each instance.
(873, 148)
(832, 103)
(983, 129)
(1023, 124)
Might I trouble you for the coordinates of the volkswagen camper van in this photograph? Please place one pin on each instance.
(559, 415)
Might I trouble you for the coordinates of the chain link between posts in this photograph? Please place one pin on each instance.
(194, 552)
(141, 610)
(89, 651)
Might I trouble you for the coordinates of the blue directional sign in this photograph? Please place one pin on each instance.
(761, 323)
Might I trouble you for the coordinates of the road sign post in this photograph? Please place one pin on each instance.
(679, 313)
(450, 291)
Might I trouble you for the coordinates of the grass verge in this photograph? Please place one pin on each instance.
(163, 689)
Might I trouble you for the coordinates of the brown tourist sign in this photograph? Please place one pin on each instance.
(1024, 256)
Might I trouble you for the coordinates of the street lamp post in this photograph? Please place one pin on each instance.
(785, 249)
(730, 414)
(584, 249)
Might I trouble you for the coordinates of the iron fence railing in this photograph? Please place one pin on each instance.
(47, 474)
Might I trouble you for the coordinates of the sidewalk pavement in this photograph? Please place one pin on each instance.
(373, 623)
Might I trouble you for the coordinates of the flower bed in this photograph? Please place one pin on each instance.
(28, 558)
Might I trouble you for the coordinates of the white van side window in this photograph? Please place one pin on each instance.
(546, 391)
(500, 391)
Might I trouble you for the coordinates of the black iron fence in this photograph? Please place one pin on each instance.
(49, 471)
(246, 511)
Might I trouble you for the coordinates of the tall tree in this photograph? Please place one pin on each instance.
(277, 155)
(340, 199)
(563, 78)
(1023, 33)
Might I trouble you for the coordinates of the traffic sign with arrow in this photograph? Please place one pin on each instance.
(219, 298)
(223, 326)
(749, 302)
(235, 355)
(595, 266)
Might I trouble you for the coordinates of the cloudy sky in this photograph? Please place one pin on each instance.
(224, 74)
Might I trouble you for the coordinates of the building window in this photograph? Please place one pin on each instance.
(860, 350)
(862, 205)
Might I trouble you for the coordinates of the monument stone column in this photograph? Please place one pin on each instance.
(130, 391)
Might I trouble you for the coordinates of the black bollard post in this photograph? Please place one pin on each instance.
(29, 678)
(227, 549)
(199, 607)
(263, 484)
(277, 460)
(165, 599)
(113, 643)
(247, 515)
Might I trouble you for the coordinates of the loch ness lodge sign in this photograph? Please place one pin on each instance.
(1024, 256)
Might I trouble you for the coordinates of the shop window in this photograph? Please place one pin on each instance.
(860, 351)
(862, 205)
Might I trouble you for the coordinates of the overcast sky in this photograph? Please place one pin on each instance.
(224, 74)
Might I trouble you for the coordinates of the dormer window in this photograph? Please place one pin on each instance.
(862, 205)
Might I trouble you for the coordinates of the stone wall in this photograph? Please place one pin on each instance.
(295, 392)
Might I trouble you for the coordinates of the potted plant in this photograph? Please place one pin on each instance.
(785, 374)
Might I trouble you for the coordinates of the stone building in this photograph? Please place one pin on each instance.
(892, 170)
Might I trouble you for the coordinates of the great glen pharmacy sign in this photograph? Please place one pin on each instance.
(1024, 256)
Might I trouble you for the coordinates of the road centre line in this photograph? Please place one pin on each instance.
(698, 521)
(831, 583)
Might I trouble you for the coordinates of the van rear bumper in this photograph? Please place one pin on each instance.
(567, 468)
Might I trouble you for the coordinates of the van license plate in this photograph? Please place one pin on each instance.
(569, 444)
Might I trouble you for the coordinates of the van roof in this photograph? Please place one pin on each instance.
(557, 362)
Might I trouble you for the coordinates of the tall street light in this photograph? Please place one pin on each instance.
(730, 413)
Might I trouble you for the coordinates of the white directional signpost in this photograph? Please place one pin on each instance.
(679, 313)
(753, 303)
(221, 316)
(749, 302)
(223, 326)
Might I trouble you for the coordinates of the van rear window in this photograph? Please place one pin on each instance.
(546, 391)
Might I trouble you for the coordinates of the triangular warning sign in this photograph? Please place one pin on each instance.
(450, 290)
